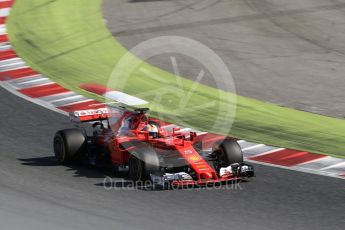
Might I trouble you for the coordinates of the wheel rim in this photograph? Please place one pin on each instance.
(221, 159)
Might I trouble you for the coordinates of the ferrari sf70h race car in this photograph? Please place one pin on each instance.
(149, 149)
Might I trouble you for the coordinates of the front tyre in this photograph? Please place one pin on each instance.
(142, 162)
(68, 145)
(227, 153)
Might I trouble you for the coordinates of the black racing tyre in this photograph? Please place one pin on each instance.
(142, 162)
(228, 152)
(68, 145)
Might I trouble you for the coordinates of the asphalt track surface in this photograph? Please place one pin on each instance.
(35, 193)
(289, 53)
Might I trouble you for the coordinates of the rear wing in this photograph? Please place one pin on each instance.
(89, 115)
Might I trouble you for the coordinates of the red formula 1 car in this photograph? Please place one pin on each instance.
(150, 149)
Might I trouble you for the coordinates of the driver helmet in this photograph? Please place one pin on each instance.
(152, 129)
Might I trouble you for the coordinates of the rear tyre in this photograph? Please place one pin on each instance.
(142, 163)
(227, 153)
(68, 145)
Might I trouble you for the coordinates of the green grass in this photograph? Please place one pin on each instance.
(67, 41)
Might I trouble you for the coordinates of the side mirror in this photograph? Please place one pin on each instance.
(175, 131)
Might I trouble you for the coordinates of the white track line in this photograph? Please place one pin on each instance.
(36, 83)
(23, 79)
(268, 152)
(3, 30)
(69, 100)
(57, 96)
(33, 81)
(253, 147)
(322, 163)
(13, 66)
(304, 170)
(74, 95)
(5, 47)
(4, 12)
(334, 166)
(29, 82)
(78, 102)
(11, 60)
(49, 82)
